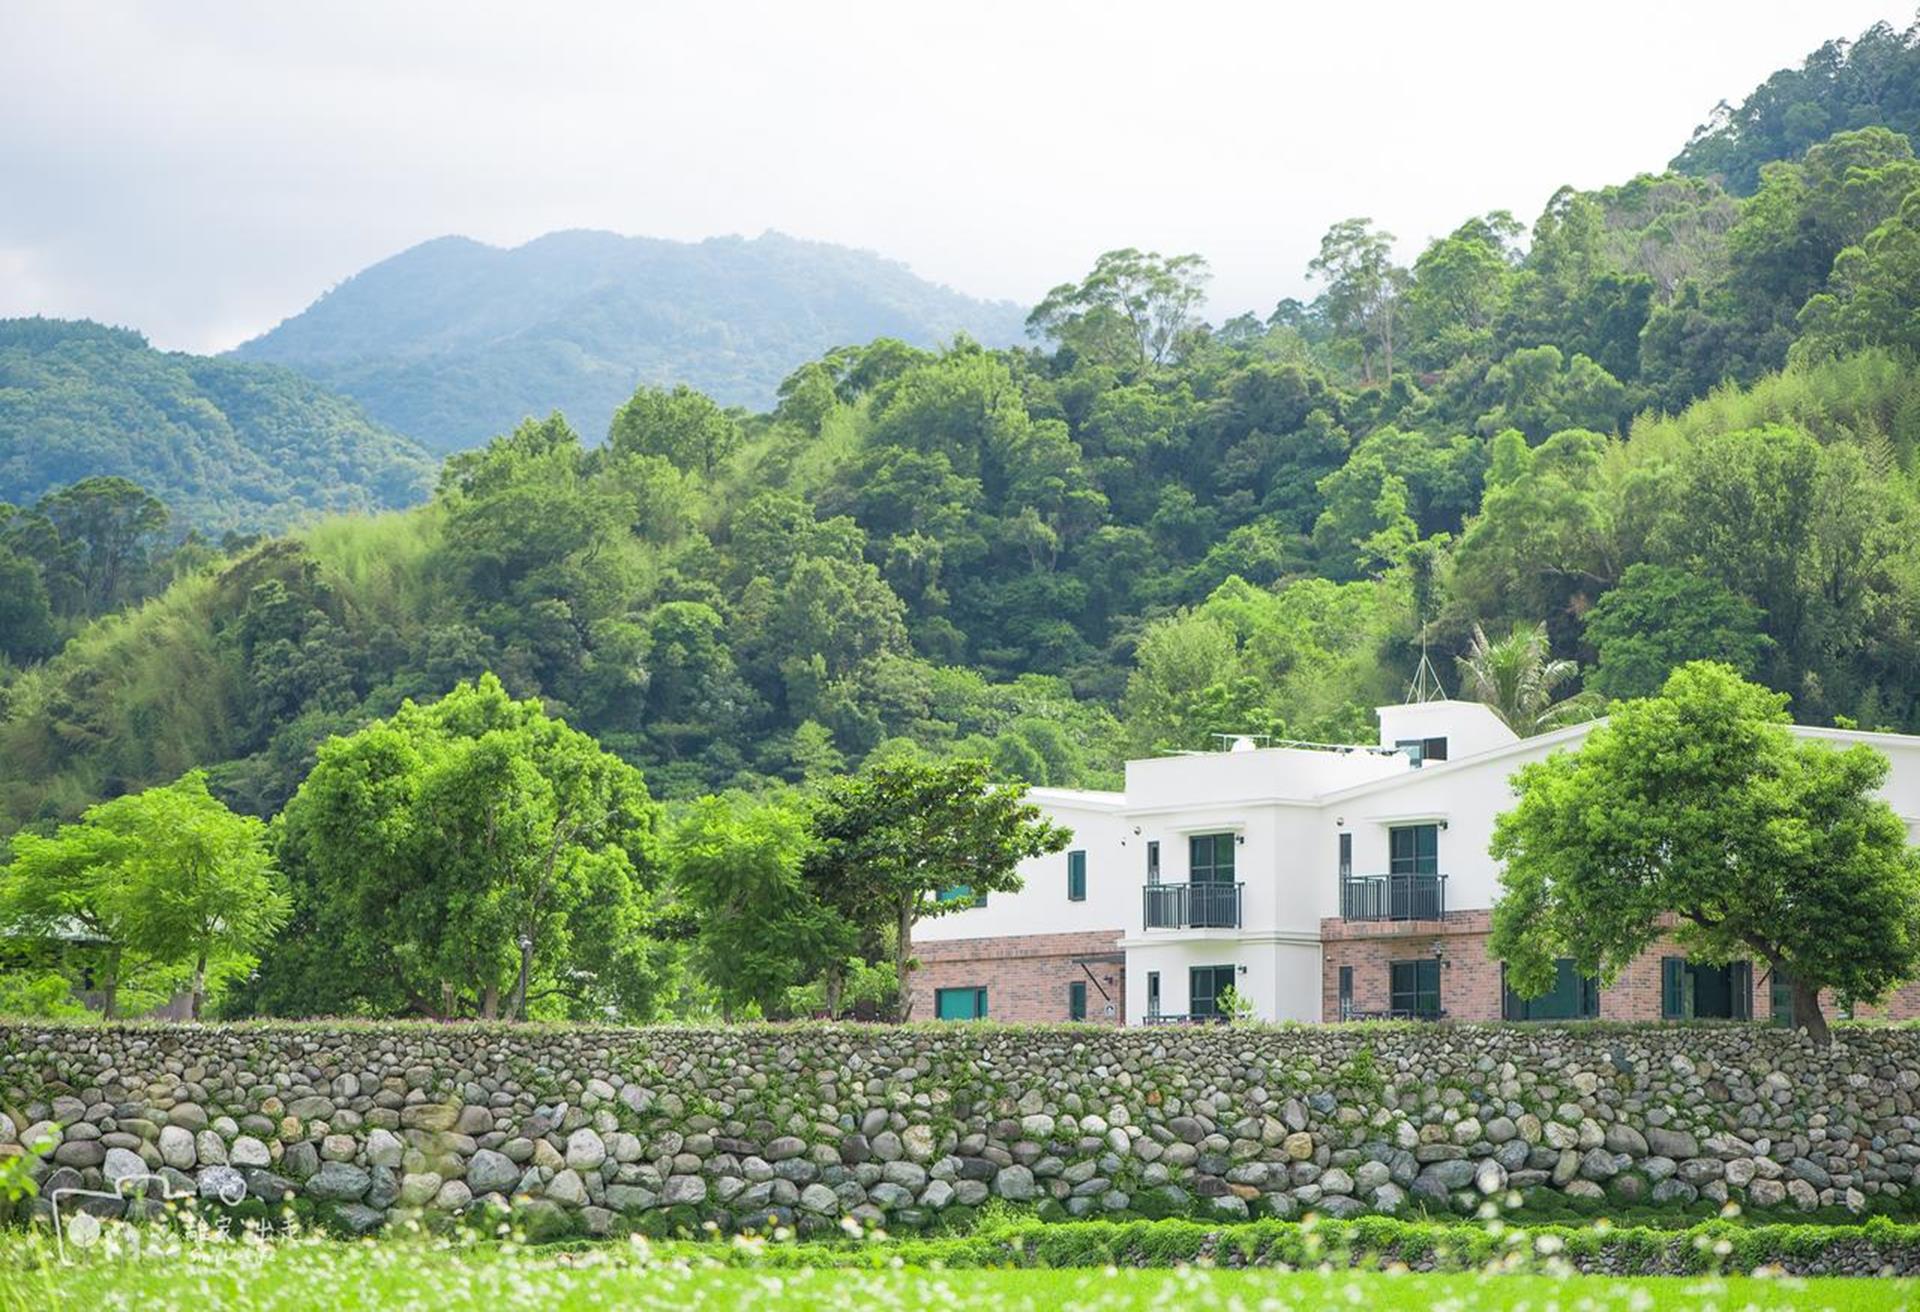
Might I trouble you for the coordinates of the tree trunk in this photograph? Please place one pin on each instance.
(517, 1005)
(1806, 1010)
(903, 961)
(836, 980)
(112, 986)
(1386, 344)
(199, 985)
(490, 1001)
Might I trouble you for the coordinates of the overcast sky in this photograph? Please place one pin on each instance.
(202, 170)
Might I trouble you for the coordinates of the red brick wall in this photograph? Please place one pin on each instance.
(1470, 981)
(1025, 976)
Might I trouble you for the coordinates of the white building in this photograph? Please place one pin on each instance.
(1315, 881)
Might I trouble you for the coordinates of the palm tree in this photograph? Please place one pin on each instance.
(1517, 678)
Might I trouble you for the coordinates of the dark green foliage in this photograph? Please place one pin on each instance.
(469, 858)
(1873, 81)
(1660, 617)
(452, 341)
(225, 445)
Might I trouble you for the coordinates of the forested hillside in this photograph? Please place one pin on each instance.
(1660, 422)
(453, 341)
(227, 445)
(1663, 421)
(1873, 81)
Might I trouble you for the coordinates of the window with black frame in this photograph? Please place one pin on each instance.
(1573, 996)
(1205, 987)
(1414, 988)
(1210, 881)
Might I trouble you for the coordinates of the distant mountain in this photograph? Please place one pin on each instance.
(226, 444)
(453, 341)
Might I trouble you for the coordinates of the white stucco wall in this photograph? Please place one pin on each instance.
(1288, 807)
(1115, 871)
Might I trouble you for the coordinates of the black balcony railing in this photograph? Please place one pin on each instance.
(1393, 897)
(1192, 906)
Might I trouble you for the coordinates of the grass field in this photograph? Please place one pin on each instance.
(393, 1275)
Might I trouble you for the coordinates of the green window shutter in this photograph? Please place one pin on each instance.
(960, 1004)
(1672, 988)
(1077, 1000)
(1076, 876)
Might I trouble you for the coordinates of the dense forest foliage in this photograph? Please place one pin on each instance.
(452, 341)
(1665, 421)
(228, 446)
(1872, 81)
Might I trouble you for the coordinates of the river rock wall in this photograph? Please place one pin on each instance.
(593, 1129)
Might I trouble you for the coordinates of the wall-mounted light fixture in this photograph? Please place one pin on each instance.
(1240, 839)
(1241, 969)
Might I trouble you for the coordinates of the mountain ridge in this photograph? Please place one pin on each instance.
(453, 340)
(227, 444)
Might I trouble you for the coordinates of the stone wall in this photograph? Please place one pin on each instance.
(811, 1124)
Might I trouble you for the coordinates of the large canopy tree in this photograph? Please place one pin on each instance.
(166, 877)
(903, 841)
(1698, 811)
(469, 857)
(738, 865)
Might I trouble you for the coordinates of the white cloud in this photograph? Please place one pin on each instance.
(200, 171)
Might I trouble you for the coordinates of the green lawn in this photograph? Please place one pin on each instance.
(391, 1274)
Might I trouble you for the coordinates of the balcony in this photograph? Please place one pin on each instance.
(1393, 897)
(1192, 906)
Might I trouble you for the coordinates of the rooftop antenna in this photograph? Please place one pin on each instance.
(1426, 680)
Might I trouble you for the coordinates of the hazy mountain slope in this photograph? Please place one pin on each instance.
(453, 341)
(226, 444)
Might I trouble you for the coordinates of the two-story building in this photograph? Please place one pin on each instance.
(1312, 881)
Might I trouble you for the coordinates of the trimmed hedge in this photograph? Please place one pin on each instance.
(1875, 1247)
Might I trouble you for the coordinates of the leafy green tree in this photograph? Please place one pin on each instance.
(896, 840)
(1459, 287)
(1782, 251)
(682, 425)
(1363, 290)
(1518, 679)
(1188, 683)
(1546, 533)
(1698, 810)
(469, 857)
(1131, 310)
(737, 865)
(1874, 292)
(1857, 83)
(1659, 618)
(208, 890)
(167, 877)
(106, 527)
(27, 631)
